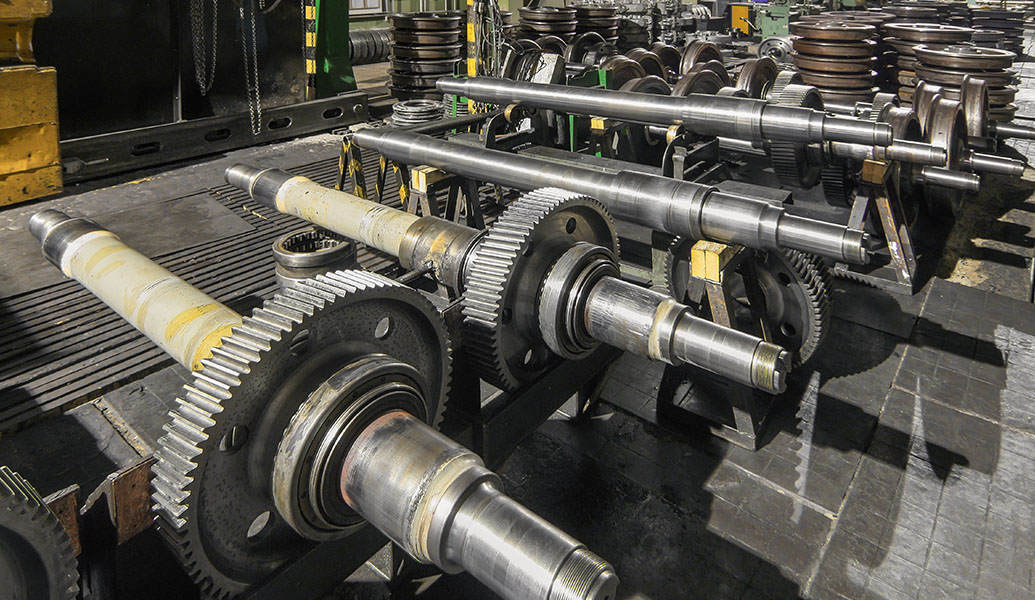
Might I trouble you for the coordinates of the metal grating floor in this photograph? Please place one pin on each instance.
(60, 346)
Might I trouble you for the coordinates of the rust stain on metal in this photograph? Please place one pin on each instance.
(129, 499)
(65, 504)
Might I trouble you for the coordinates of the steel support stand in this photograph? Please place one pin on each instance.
(686, 401)
(879, 192)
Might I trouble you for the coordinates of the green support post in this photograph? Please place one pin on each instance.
(333, 64)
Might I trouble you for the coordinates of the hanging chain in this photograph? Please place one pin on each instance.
(204, 75)
(250, 50)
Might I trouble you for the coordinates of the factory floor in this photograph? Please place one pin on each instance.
(899, 464)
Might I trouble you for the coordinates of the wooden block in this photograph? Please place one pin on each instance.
(24, 10)
(423, 177)
(28, 95)
(28, 185)
(708, 259)
(28, 148)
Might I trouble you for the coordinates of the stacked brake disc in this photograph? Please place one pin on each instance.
(369, 46)
(838, 58)
(538, 22)
(601, 19)
(947, 65)
(906, 37)
(1007, 25)
(425, 47)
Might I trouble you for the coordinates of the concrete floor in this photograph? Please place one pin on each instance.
(900, 463)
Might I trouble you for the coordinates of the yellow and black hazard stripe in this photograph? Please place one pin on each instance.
(309, 7)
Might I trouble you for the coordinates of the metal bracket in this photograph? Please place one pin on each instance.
(878, 191)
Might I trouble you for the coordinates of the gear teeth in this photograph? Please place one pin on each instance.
(836, 184)
(790, 160)
(818, 286)
(23, 512)
(180, 448)
(492, 266)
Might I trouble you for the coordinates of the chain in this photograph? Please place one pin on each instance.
(204, 75)
(250, 50)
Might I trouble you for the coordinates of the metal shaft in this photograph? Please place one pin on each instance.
(703, 114)
(990, 163)
(653, 324)
(437, 500)
(955, 180)
(418, 242)
(426, 492)
(917, 153)
(1012, 130)
(739, 356)
(678, 207)
(183, 321)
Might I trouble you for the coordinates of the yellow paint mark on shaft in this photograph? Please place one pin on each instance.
(212, 340)
(100, 255)
(181, 320)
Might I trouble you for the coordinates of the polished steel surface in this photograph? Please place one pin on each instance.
(653, 324)
(677, 207)
(437, 500)
(721, 116)
(561, 297)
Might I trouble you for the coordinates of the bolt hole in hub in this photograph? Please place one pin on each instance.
(234, 439)
(259, 525)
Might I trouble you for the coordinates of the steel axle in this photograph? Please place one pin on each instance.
(582, 302)
(681, 208)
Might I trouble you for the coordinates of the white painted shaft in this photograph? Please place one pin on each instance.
(373, 224)
(181, 319)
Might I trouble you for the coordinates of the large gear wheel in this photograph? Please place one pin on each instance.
(37, 561)
(212, 482)
(796, 286)
(506, 270)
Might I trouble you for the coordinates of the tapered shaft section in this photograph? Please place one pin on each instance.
(990, 163)
(1012, 130)
(436, 499)
(955, 180)
(677, 207)
(917, 153)
(703, 114)
(652, 324)
(185, 322)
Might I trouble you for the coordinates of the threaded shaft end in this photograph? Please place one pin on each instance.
(584, 576)
(769, 368)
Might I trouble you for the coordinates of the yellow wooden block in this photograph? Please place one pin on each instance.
(28, 147)
(24, 10)
(28, 185)
(28, 95)
(421, 178)
(708, 259)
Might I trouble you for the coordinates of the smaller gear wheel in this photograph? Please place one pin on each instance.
(838, 180)
(796, 286)
(797, 164)
(37, 561)
(506, 270)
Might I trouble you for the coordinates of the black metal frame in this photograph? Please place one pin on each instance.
(109, 153)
